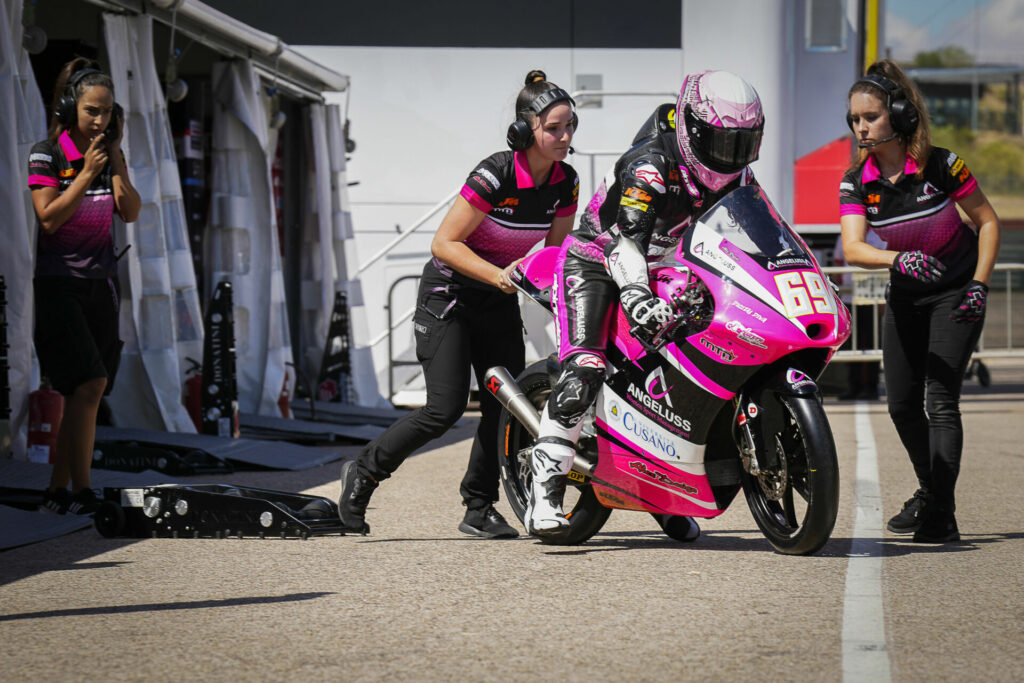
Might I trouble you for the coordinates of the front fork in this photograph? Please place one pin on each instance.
(753, 453)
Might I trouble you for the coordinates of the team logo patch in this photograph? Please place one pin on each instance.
(650, 175)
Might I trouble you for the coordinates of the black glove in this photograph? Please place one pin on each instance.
(647, 314)
(971, 308)
(919, 266)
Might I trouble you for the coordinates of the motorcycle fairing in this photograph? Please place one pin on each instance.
(535, 275)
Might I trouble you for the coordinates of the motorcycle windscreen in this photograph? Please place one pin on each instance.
(749, 221)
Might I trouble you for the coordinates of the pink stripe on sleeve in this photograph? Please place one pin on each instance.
(44, 180)
(473, 198)
(965, 189)
(852, 209)
(566, 211)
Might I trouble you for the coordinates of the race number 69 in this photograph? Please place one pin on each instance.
(804, 293)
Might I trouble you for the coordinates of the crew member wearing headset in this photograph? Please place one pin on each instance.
(467, 316)
(907, 191)
(79, 178)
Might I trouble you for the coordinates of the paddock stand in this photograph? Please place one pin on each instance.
(214, 511)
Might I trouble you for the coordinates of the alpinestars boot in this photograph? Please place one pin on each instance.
(356, 490)
(550, 464)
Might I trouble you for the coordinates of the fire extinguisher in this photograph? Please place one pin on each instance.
(284, 399)
(194, 394)
(45, 411)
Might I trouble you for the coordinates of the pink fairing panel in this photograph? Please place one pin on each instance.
(645, 482)
(538, 268)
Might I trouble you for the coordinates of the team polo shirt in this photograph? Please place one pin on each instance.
(519, 213)
(84, 245)
(917, 213)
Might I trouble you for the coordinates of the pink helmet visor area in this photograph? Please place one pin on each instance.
(719, 124)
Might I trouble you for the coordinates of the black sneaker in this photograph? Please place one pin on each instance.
(486, 522)
(56, 501)
(356, 490)
(937, 526)
(909, 519)
(84, 502)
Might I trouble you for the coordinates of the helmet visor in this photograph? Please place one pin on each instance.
(723, 150)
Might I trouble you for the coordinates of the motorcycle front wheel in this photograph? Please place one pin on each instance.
(795, 503)
(585, 513)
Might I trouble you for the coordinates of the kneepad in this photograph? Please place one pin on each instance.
(576, 389)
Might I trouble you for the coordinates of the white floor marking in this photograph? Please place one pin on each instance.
(865, 655)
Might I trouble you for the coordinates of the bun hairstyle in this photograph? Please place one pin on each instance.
(537, 95)
(74, 77)
(908, 113)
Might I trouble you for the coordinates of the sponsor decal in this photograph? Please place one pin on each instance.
(576, 476)
(964, 175)
(654, 384)
(724, 354)
(637, 193)
(494, 385)
(490, 176)
(928, 192)
(745, 334)
(872, 209)
(672, 118)
(614, 410)
(38, 156)
(957, 165)
(576, 190)
(741, 419)
(640, 206)
(649, 435)
(615, 500)
(874, 198)
(510, 201)
(797, 379)
(508, 210)
(715, 256)
(483, 183)
(68, 173)
(422, 329)
(657, 409)
(846, 186)
(784, 263)
(749, 311)
(725, 250)
(650, 175)
(641, 468)
(690, 187)
(572, 283)
(588, 360)
(753, 410)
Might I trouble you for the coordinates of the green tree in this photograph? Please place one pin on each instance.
(945, 57)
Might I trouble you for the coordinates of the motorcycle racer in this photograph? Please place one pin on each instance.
(684, 159)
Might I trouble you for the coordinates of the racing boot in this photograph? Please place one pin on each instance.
(550, 464)
(356, 490)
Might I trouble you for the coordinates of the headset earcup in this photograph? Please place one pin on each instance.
(849, 121)
(66, 110)
(904, 117)
(519, 135)
(575, 122)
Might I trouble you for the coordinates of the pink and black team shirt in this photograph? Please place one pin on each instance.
(83, 246)
(917, 213)
(519, 213)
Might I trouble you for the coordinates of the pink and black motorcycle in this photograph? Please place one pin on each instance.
(724, 398)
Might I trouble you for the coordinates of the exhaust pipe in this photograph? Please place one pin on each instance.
(504, 388)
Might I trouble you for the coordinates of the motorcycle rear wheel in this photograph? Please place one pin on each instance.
(795, 505)
(585, 513)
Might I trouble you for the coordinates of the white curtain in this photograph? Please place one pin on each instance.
(242, 237)
(328, 255)
(160, 318)
(22, 124)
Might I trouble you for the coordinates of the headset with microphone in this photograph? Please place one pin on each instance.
(903, 115)
(520, 133)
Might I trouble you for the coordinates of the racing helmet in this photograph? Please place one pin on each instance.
(718, 126)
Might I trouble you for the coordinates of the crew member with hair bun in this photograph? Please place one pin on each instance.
(907, 192)
(467, 316)
(79, 178)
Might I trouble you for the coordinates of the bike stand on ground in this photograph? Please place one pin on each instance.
(214, 510)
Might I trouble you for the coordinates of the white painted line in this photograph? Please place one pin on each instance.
(865, 655)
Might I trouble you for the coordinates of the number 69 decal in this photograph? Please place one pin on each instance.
(804, 293)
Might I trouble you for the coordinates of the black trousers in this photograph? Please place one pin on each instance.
(459, 329)
(925, 356)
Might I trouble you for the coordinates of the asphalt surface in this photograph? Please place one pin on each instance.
(418, 600)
